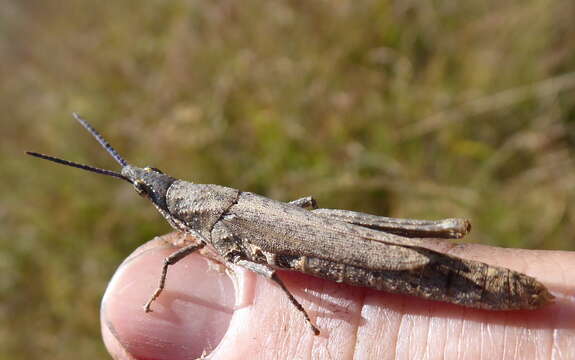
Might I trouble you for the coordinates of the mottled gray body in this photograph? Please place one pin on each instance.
(246, 226)
(359, 249)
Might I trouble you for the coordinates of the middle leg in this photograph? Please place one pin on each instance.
(271, 274)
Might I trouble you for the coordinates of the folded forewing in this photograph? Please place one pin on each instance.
(285, 230)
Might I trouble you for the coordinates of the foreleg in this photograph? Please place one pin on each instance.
(171, 260)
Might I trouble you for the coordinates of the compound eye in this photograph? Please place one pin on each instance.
(153, 169)
(141, 187)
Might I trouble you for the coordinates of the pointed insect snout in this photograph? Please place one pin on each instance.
(149, 182)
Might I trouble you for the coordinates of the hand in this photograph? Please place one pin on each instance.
(196, 314)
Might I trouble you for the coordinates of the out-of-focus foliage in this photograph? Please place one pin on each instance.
(409, 109)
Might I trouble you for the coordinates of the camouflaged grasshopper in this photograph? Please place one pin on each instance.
(264, 235)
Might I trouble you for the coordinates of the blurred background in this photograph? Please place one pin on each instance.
(407, 109)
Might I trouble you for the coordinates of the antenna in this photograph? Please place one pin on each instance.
(100, 139)
(102, 142)
(80, 166)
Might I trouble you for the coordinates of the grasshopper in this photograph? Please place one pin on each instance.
(264, 235)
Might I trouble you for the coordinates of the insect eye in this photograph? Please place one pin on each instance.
(153, 169)
(141, 187)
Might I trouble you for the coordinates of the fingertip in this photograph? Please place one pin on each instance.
(112, 343)
(189, 318)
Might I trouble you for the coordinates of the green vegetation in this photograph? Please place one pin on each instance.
(428, 110)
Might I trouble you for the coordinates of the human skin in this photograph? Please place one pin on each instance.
(200, 312)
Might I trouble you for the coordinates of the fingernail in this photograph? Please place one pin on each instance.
(189, 318)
